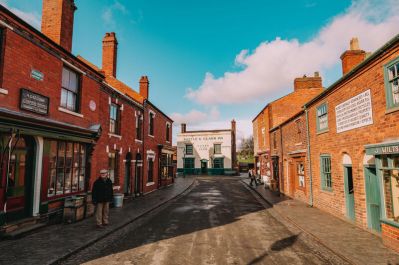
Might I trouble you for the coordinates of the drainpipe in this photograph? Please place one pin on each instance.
(309, 158)
(142, 159)
(282, 160)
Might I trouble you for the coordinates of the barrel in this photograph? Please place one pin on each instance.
(118, 200)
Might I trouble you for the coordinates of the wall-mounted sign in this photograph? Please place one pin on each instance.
(37, 75)
(354, 113)
(383, 150)
(34, 102)
(92, 105)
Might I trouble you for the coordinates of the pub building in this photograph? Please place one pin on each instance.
(207, 152)
(354, 142)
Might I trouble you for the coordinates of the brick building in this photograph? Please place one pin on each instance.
(354, 142)
(272, 115)
(62, 119)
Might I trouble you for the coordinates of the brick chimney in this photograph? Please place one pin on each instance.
(183, 127)
(308, 82)
(352, 57)
(144, 86)
(57, 21)
(110, 53)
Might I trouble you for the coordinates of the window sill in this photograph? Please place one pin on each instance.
(151, 135)
(70, 112)
(321, 132)
(3, 91)
(115, 135)
(150, 184)
(390, 110)
(138, 141)
(327, 190)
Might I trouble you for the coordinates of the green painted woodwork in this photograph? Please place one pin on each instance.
(349, 192)
(325, 172)
(324, 109)
(388, 89)
(373, 199)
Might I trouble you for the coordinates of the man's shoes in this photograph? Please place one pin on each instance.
(99, 226)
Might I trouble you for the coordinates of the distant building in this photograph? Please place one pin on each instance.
(207, 152)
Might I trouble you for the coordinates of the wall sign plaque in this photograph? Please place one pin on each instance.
(92, 105)
(34, 102)
(36, 74)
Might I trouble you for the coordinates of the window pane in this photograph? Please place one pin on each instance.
(384, 160)
(65, 77)
(53, 154)
(51, 182)
(391, 194)
(76, 155)
(82, 155)
(68, 182)
(82, 179)
(69, 153)
(61, 154)
(73, 82)
(395, 161)
(71, 102)
(395, 91)
(60, 182)
(75, 179)
(64, 97)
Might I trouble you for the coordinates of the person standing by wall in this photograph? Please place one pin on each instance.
(102, 196)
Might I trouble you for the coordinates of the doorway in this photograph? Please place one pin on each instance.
(138, 169)
(373, 199)
(275, 168)
(204, 167)
(17, 172)
(128, 169)
(349, 192)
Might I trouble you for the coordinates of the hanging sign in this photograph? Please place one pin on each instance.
(34, 102)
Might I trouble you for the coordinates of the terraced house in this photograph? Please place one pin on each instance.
(62, 119)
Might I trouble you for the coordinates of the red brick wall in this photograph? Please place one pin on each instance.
(351, 142)
(390, 236)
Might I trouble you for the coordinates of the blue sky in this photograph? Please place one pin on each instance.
(210, 61)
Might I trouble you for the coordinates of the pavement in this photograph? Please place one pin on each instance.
(54, 243)
(350, 242)
(218, 221)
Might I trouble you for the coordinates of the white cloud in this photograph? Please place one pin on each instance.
(32, 18)
(196, 117)
(108, 14)
(270, 69)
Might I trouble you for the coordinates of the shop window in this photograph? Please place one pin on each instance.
(151, 121)
(139, 126)
(189, 149)
(189, 163)
(390, 176)
(325, 172)
(322, 118)
(66, 168)
(70, 90)
(150, 170)
(166, 166)
(392, 84)
(168, 132)
(114, 118)
(218, 163)
(217, 148)
(113, 162)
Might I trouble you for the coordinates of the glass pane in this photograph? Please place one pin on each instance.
(65, 77)
(76, 155)
(69, 153)
(384, 160)
(60, 182)
(51, 182)
(82, 155)
(53, 154)
(73, 82)
(75, 179)
(64, 97)
(82, 179)
(71, 102)
(68, 182)
(395, 91)
(61, 155)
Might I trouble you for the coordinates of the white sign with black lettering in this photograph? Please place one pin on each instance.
(354, 113)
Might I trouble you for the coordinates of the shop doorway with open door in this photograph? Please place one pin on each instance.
(17, 168)
(204, 166)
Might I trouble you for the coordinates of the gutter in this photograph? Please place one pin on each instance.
(309, 158)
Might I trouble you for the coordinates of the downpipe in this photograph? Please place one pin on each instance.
(309, 158)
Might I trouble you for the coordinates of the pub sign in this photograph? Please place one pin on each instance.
(34, 102)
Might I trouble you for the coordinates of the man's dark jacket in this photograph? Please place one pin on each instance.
(102, 190)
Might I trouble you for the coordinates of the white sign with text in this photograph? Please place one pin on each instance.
(354, 113)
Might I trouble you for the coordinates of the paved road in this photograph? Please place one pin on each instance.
(218, 222)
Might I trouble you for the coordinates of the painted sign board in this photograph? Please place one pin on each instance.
(34, 102)
(354, 113)
(37, 75)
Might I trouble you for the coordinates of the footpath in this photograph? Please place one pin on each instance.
(348, 241)
(56, 242)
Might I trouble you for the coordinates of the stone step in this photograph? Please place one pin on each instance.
(23, 231)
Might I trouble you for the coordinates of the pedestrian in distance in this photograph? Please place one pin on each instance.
(102, 194)
(252, 177)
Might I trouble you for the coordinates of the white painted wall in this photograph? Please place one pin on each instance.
(203, 147)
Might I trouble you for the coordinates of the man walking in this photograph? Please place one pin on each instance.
(102, 194)
(252, 177)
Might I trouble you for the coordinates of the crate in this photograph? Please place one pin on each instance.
(74, 201)
(73, 214)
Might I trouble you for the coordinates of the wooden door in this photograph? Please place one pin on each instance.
(373, 199)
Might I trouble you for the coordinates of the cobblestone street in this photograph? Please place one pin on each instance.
(219, 221)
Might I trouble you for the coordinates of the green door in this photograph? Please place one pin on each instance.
(349, 193)
(373, 199)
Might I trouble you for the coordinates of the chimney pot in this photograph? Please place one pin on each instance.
(57, 21)
(316, 74)
(352, 57)
(110, 54)
(311, 82)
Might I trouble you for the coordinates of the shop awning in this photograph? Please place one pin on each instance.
(41, 126)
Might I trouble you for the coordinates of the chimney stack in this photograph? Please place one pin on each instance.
(352, 57)
(110, 53)
(57, 21)
(144, 86)
(308, 82)
(183, 128)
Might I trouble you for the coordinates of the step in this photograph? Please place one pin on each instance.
(22, 231)
(19, 224)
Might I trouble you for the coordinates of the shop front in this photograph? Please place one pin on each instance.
(382, 191)
(42, 162)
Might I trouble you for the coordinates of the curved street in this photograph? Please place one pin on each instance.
(219, 221)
